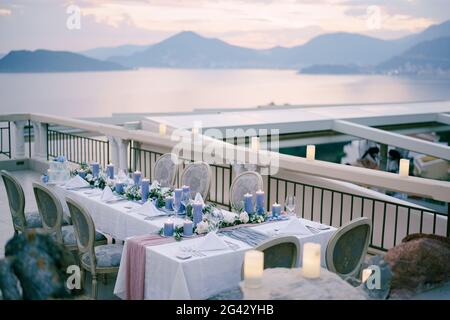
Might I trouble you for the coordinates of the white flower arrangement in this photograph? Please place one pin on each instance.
(243, 217)
(229, 217)
(202, 227)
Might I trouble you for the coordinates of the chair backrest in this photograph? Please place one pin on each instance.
(166, 170)
(281, 252)
(347, 247)
(84, 229)
(16, 200)
(246, 182)
(50, 209)
(197, 176)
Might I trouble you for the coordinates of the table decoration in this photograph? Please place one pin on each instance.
(186, 189)
(311, 260)
(169, 202)
(188, 228)
(253, 268)
(168, 228)
(95, 166)
(197, 212)
(260, 197)
(119, 187)
(276, 210)
(248, 202)
(44, 178)
(310, 152)
(145, 189)
(137, 176)
(82, 173)
(107, 194)
(110, 171)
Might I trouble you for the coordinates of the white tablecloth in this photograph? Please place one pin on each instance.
(114, 219)
(168, 277)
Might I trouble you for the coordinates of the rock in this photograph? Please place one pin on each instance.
(419, 263)
(38, 263)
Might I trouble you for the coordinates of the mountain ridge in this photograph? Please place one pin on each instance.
(53, 61)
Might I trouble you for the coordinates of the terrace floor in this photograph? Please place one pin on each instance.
(26, 178)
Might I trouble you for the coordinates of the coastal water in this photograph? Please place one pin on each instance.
(162, 90)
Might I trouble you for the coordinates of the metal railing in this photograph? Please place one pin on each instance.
(391, 221)
(5, 139)
(392, 218)
(76, 148)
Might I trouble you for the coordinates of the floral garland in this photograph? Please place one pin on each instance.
(101, 181)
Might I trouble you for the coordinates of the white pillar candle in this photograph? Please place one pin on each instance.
(311, 260)
(310, 152)
(255, 144)
(366, 274)
(404, 167)
(162, 129)
(194, 131)
(253, 268)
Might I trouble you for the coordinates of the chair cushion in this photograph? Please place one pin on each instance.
(33, 220)
(107, 256)
(68, 235)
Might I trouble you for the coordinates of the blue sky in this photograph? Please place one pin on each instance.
(32, 24)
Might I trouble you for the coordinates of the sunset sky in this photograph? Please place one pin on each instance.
(31, 24)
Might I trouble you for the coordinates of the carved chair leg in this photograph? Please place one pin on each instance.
(94, 286)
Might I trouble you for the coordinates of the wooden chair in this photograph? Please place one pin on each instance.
(197, 176)
(347, 247)
(52, 215)
(166, 170)
(16, 198)
(246, 182)
(103, 259)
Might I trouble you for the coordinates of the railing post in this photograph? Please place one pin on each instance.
(448, 219)
(40, 140)
(18, 139)
(119, 152)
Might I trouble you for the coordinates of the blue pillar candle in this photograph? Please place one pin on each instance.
(188, 228)
(120, 186)
(178, 193)
(145, 187)
(248, 203)
(197, 212)
(82, 173)
(260, 197)
(95, 169)
(186, 189)
(169, 203)
(168, 228)
(110, 171)
(44, 178)
(137, 176)
(276, 210)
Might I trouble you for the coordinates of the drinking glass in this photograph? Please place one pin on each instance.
(176, 207)
(290, 205)
(186, 199)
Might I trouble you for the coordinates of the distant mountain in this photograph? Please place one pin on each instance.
(332, 69)
(337, 49)
(53, 61)
(105, 52)
(428, 57)
(190, 50)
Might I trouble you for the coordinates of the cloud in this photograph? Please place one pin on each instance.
(255, 23)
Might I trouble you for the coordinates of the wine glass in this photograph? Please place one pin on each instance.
(290, 205)
(176, 207)
(186, 199)
(214, 219)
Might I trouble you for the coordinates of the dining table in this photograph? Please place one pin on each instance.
(178, 269)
